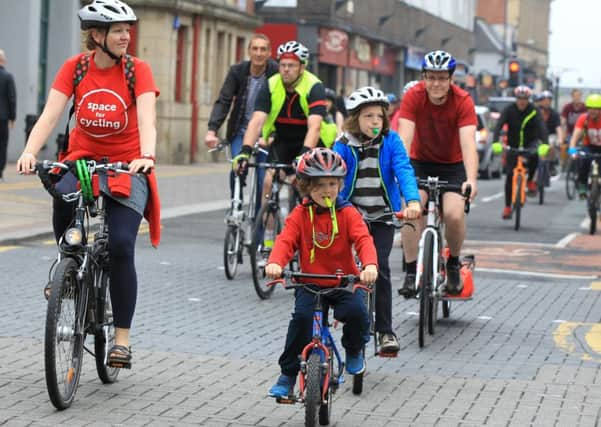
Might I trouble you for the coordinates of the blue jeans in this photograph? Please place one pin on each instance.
(348, 308)
(236, 145)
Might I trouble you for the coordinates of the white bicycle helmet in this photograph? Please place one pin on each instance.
(293, 48)
(439, 60)
(409, 86)
(365, 95)
(105, 12)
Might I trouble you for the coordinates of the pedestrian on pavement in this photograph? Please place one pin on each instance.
(125, 131)
(438, 127)
(379, 175)
(8, 109)
(336, 227)
(241, 86)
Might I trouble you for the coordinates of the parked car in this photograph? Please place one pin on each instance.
(490, 165)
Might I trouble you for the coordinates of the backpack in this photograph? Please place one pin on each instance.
(81, 69)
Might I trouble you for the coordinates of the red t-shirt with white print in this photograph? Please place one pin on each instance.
(105, 113)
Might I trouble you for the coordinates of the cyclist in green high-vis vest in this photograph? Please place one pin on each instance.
(291, 108)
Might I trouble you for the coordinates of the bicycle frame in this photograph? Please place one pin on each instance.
(519, 170)
(434, 228)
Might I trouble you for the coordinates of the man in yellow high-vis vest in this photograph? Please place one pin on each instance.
(291, 108)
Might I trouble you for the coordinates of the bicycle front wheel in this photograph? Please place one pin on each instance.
(104, 335)
(312, 390)
(231, 251)
(260, 249)
(571, 177)
(593, 205)
(517, 207)
(63, 344)
(425, 288)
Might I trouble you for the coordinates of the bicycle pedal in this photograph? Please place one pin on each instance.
(286, 400)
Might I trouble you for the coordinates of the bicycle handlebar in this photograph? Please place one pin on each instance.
(588, 155)
(288, 281)
(427, 184)
(119, 167)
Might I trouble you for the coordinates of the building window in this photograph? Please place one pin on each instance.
(180, 63)
(239, 49)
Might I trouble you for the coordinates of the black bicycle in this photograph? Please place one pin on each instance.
(268, 224)
(593, 199)
(78, 291)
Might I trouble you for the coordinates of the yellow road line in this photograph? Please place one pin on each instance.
(593, 338)
(8, 248)
(596, 286)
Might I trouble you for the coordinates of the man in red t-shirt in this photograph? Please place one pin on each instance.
(587, 127)
(569, 114)
(438, 126)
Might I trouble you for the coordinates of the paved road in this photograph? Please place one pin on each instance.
(525, 351)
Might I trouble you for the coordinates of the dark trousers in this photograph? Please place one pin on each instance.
(383, 236)
(511, 161)
(3, 144)
(123, 223)
(348, 308)
(584, 164)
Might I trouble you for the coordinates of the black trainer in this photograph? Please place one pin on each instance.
(408, 290)
(454, 283)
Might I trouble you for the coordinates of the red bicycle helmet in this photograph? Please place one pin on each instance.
(321, 162)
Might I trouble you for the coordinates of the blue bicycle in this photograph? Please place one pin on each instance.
(321, 366)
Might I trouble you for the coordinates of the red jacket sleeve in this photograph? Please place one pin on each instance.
(359, 235)
(287, 242)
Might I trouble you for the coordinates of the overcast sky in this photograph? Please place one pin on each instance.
(574, 49)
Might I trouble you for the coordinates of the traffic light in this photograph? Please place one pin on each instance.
(515, 73)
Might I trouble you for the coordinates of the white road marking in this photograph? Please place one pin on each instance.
(194, 299)
(484, 317)
(505, 242)
(522, 286)
(536, 274)
(411, 313)
(585, 288)
(493, 197)
(559, 321)
(165, 263)
(565, 241)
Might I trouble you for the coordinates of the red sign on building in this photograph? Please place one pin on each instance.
(333, 46)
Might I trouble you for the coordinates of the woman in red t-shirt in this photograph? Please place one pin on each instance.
(115, 118)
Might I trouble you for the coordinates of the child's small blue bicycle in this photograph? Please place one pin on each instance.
(318, 380)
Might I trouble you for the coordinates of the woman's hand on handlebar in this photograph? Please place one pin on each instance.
(26, 163)
(273, 271)
(141, 165)
(369, 274)
(413, 210)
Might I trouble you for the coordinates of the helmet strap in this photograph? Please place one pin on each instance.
(105, 48)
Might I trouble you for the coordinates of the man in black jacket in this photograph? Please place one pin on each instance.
(241, 86)
(8, 108)
(525, 128)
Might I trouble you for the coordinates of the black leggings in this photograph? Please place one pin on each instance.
(383, 236)
(123, 223)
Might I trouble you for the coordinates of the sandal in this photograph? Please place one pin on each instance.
(119, 357)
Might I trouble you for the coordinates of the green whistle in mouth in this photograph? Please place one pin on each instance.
(328, 202)
(375, 131)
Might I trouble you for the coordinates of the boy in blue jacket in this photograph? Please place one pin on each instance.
(379, 174)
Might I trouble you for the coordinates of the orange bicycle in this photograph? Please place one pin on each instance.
(518, 183)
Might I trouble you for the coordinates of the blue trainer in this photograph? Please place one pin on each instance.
(283, 387)
(355, 364)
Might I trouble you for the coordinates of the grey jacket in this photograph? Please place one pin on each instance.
(8, 96)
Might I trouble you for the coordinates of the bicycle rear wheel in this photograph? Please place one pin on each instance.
(517, 207)
(312, 390)
(259, 253)
(104, 336)
(593, 205)
(231, 251)
(571, 177)
(63, 347)
(425, 288)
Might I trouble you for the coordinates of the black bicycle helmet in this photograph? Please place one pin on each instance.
(321, 162)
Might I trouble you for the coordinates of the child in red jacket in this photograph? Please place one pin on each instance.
(324, 233)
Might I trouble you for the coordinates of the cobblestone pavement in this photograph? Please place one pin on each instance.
(525, 352)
